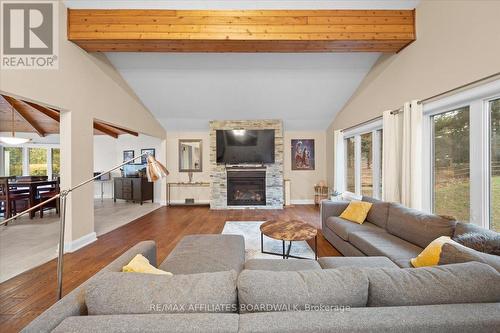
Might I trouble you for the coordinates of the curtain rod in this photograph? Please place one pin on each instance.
(489, 77)
(396, 111)
(361, 124)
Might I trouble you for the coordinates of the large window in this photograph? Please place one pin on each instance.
(494, 107)
(350, 163)
(462, 169)
(367, 164)
(56, 162)
(13, 160)
(451, 173)
(37, 161)
(363, 169)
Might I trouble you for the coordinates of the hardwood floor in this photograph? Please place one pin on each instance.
(25, 296)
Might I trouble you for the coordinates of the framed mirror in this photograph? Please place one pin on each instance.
(190, 156)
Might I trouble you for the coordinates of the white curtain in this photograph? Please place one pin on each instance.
(339, 176)
(411, 162)
(391, 166)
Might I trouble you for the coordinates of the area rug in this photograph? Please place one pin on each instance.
(251, 231)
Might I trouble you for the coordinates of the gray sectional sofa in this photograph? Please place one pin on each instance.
(390, 230)
(336, 294)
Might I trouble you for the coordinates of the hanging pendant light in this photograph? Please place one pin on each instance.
(13, 140)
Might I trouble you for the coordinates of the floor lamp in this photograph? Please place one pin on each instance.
(154, 170)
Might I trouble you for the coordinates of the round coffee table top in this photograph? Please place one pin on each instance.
(293, 230)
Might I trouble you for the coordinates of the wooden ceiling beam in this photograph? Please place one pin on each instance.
(53, 114)
(126, 130)
(22, 109)
(106, 130)
(241, 30)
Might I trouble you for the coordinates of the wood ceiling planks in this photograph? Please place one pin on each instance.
(32, 117)
(241, 31)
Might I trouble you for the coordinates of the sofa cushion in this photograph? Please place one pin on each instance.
(482, 242)
(343, 227)
(378, 213)
(450, 284)
(386, 245)
(281, 265)
(417, 227)
(448, 318)
(290, 291)
(140, 264)
(430, 255)
(136, 293)
(142, 323)
(337, 262)
(356, 211)
(466, 228)
(453, 253)
(206, 253)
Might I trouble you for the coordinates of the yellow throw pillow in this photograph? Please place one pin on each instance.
(356, 211)
(430, 255)
(140, 264)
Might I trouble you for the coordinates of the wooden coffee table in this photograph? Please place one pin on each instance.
(288, 231)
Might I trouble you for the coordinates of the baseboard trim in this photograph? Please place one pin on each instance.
(80, 242)
(302, 202)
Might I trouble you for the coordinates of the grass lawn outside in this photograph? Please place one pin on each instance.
(452, 199)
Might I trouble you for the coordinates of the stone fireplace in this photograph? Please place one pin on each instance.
(243, 185)
(246, 188)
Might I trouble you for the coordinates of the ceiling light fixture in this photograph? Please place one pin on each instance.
(13, 140)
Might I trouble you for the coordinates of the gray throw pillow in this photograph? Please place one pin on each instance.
(450, 284)
(269, 291)
(136, 293)
(456, 253)
(482, 242)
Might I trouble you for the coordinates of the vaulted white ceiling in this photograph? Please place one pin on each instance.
(185, 91)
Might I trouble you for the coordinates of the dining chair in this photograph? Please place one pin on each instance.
(47, 193)
(8, 199)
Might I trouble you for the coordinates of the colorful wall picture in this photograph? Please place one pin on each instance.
(149, 151)
(128, 155)
(302, 154)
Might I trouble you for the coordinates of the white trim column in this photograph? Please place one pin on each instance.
(376, 163)
(77, 165)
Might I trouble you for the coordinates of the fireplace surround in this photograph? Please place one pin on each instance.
(219, 173)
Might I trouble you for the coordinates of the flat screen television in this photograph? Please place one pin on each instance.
(134, 170)
(245, 146)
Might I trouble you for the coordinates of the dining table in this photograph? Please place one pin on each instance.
(31, 187)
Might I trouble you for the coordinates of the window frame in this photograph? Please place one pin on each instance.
(373, 127)
(25, 153)
(477, 99)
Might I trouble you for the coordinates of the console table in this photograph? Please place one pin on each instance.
(133, 189)
(183, 184)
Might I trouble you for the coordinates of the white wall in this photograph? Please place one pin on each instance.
(179, 194)
(85, 87)
(108, 152)
(302, 181)
(457, 43)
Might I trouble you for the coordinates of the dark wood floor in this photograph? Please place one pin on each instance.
(25, 296)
